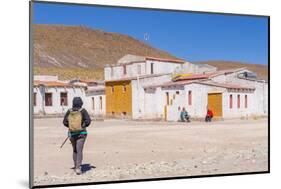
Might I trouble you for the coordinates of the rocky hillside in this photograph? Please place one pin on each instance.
(74, 48)
(81, 52)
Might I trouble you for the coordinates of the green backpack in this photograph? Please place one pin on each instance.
(75, 120)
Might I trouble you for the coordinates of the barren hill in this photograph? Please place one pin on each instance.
(59, 49)
(82, 52)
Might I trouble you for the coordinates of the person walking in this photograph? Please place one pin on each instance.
(76, 120)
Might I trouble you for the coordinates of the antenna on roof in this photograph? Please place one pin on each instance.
(146, 38)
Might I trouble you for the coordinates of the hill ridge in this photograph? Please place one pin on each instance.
(81, 52)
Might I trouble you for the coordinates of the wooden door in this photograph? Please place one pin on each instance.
(215, 103)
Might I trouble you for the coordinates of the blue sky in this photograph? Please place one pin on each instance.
(191, 36)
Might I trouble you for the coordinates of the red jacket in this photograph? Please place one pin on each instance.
(210, 113)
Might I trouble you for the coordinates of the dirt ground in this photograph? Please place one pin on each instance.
(125, 150)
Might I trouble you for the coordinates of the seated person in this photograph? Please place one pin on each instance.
(209, 115)
(184, 116)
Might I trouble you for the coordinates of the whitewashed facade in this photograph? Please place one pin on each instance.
(152, 80)
(54, 97)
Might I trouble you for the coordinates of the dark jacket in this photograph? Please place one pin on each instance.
(77, 105)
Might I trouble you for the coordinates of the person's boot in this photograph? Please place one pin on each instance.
(78, 171)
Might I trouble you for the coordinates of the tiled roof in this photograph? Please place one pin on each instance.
(51, 84)
(94, 89)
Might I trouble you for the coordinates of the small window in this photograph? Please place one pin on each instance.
(177, 92)
(124, 70)
(189, 98)
(63, 99)
(139, 69)
(151, 68)
(112, 72)
(124, 88)
(101, 102)
(246, 101)
(34, 99)
(238, 101)
(112, 89)
(167, 98)
(93, 102)
(230, 101)
(48, 99)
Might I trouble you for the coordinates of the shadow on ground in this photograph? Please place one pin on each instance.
(87, 167)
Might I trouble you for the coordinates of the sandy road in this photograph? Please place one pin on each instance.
(122, 150)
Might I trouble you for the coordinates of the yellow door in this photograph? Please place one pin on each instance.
(215, 103)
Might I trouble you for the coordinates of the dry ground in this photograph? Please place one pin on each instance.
(122, 150)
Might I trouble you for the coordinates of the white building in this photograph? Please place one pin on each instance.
(52, 97)
(156, 88)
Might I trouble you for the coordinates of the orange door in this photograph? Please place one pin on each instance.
(215, 103)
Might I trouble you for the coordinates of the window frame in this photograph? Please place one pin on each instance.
(230, 101)
(100, 102)
(151, 68)
(124, 70)
(238, 101)
(246, 101)
(189, 97)
(34, 98)
(46, 103)
(65, 98)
